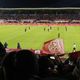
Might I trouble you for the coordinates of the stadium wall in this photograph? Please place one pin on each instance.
(43, 24)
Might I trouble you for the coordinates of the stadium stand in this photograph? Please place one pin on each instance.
(40, 15)
(24, 64)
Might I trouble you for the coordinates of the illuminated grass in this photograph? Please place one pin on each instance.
(36, 36)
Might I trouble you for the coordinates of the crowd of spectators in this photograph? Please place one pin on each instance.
(26, 65)
(16, 18)
(40, 16)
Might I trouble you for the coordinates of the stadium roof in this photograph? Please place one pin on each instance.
(64, 8)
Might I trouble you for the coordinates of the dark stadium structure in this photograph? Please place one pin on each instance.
(42, 15)
(38, 3)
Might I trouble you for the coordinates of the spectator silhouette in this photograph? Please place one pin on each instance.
(5, 45)
(76, 71)
(2, 49)
(44, 65)
(18, 46)
(20, 65)
(9, 66)
(26, 64)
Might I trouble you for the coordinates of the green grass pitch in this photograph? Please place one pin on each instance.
(36, 36)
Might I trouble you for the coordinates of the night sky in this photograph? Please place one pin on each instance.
(39, 3)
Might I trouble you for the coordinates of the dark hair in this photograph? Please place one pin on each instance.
(2, 49)
(20, 65)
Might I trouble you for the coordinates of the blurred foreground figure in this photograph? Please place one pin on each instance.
(5, 45)
(2, 49)
(76, 71)
(20, 65)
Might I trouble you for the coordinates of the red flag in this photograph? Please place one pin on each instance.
(55, 46)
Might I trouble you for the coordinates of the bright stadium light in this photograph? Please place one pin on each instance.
(52, 57)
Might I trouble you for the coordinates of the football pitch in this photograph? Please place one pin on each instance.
(35, 36)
